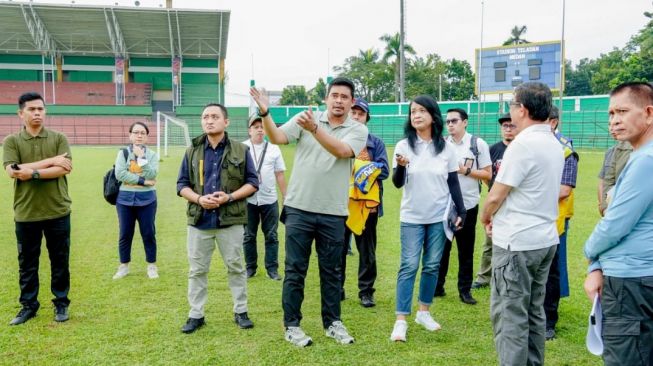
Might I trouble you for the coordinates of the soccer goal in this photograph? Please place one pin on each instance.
(173, 131)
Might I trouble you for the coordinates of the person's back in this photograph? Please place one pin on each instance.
(531, 209)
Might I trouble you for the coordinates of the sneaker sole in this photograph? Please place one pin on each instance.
(341, 341)
(302, 345)
(398, 339)
(438, 327)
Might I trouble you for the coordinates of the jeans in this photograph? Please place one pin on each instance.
(465, 239)
(328, 231)
(423, 242)
(366, 245)
(127, 217)
(268, 216)
(57, 240)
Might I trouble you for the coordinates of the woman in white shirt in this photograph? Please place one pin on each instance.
(426, 166)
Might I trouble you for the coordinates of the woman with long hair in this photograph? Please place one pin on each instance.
(426, 167)
(137, 170)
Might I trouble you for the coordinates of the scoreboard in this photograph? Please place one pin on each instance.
(503, 68)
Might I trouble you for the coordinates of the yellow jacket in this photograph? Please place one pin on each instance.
(364, 176)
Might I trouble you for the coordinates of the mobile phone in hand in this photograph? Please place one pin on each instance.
(15, 166)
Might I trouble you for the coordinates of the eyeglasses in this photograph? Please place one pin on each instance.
(515, 104)
(453, 121)
(141, 133)
(508, 126)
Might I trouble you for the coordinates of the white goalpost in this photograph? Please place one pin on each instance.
(173, 130)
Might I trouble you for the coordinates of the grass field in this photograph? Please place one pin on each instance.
(136, 321)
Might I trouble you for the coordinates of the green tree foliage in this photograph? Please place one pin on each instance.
(391, 53)
(372, 77)
(318, 93)
(294, 95)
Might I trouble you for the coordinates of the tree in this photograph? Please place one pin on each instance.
(516, 36)
(392, 52)
(371, 76)
(318, 93)
(578, 80)
(294, 95)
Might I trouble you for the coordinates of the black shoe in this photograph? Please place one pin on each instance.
(23, 315)
(251, 272)
(439, 293)
(274, 275)
(550, 334)
(192, 324)
(61, 313)
(477, 285)
(350, 252)
(243, 321)
(342, 295)
(367, 301)
(467, 298)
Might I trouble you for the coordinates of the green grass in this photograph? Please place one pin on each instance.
(136, 321)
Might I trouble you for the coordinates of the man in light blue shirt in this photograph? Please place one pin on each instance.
(620, 249)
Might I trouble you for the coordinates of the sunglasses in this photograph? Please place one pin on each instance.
(452, 121)
(508, 126)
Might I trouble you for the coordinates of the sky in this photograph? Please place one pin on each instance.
(295, 42)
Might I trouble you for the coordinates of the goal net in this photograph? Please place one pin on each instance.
(171, 132)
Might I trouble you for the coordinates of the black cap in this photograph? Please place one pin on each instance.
(504, 118)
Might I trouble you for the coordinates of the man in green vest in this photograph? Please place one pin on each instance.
(38, 160)
(215, 177)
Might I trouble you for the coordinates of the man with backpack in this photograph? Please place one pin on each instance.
(475, 166)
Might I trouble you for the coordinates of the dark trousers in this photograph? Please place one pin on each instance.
(552, 296)
(465, 239)
(57, 240)
(268, 216)
(328, 231)
(127, 217)
(366, 245)
(627, 305)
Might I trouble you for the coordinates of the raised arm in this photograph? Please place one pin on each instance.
(275, 135)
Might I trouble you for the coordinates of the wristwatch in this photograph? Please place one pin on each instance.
(36, 174)
(231, 198)
(468, 171)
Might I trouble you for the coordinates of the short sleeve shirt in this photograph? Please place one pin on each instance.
(532, 165)
(469, 185)
(319, 181)
(270, 163)
(38, 199)
(426, 192)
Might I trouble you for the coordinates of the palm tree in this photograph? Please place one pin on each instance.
(392, 51)
(516, 36)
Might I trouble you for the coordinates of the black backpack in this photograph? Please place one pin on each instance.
(111, 183)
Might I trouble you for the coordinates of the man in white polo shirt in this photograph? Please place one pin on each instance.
(520, 212)
(262, 206)
(474, 166)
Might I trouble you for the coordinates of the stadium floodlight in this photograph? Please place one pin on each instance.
(173, 130)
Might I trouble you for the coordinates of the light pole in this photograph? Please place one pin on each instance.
(402, 60)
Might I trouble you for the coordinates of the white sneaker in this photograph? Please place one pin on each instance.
(424, 319)
(296, 336)
(338, 332)
(152, 271)
(399, 331)
(123, 270)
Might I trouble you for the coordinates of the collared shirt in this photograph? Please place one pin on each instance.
(270, 163)
(37, 199)
(426, 192)
(212, 169)
(527, 218)
(570, 171)
(469, 185)
(622, 242)
(319, 181)
(132, 172)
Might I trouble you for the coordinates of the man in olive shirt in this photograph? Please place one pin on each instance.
(38, 160)
(316, 205)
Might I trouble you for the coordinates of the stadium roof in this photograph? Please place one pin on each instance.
(30, 28)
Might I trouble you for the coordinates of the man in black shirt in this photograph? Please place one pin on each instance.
(496, 155)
